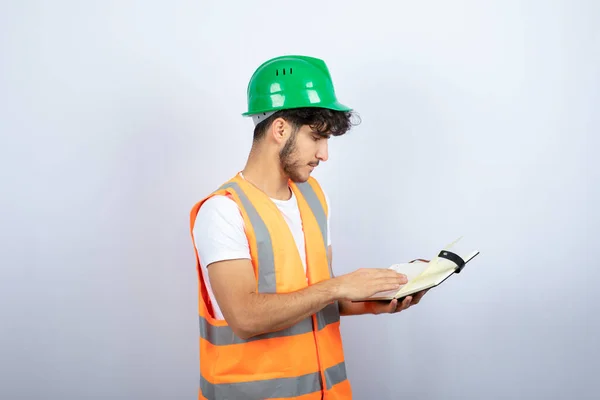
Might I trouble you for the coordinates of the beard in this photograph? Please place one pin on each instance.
(289, 164)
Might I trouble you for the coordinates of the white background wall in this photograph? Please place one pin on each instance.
(479, 119)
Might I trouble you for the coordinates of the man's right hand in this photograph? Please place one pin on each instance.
(365, 282)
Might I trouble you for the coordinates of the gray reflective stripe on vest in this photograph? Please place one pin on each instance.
(329, 314)
(262, 389)
(274, 388)
(335, 375)
(224, 336)
(317, 209)
(266, 261)
(315, 206)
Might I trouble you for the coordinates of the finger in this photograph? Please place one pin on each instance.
(389, 273)
(384, 287)
(385, 284)
(400, 306)
(401, 278)
(406, 303)
(392, 306)
(398, 280)
(418, 297)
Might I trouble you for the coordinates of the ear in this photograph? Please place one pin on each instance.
(280, 130)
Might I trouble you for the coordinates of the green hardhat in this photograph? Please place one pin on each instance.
(291, 82)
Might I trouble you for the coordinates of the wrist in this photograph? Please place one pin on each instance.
(332, 290)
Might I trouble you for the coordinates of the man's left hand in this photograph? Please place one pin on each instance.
(380, 307)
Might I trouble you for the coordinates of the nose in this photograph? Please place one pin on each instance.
(322, 151)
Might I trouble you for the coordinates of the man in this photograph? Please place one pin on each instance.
(269, 302)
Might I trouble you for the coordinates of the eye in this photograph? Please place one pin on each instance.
(316, 138)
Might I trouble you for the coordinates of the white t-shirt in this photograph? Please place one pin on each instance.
(219, 234)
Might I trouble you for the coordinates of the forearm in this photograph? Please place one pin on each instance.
(267, 312)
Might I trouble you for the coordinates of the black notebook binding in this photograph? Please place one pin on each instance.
(455, 258)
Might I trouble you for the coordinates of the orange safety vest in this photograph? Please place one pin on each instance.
(304, 361)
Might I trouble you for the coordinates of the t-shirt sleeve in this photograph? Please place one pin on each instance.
(219, 232)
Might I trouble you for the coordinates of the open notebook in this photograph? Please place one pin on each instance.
(423, 275)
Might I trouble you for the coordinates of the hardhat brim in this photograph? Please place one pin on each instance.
(336, 106)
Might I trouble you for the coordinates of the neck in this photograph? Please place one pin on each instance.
(263, 171)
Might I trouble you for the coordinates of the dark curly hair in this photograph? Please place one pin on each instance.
(324, 121)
